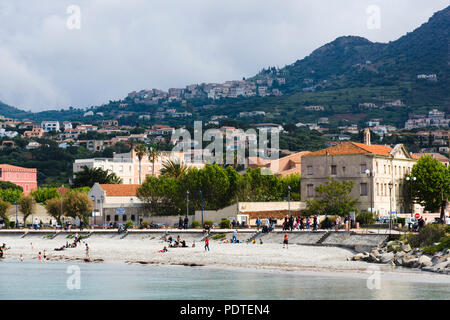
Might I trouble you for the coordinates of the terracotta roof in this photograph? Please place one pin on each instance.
(16, 168)
(437, 156)
(120, 190)
(347, 148)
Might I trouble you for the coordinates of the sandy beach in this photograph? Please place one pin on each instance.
(144, 249)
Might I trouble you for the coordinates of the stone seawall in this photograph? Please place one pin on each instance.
(351, 240)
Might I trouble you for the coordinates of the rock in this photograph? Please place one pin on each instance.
(424, 261)
(410, 262)
(372, 258)
(387, 257)
(406, 247)
(400, 254)
(441, 266)
(398, 261)
(358, 257)
(375, 252)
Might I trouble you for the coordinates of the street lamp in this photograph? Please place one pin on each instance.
(289, 200)
(411, 180)
(201, 196)
(371, 174)
(391, 185)
(17, 220)
(187, 203)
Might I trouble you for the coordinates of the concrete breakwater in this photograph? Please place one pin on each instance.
(350, 240)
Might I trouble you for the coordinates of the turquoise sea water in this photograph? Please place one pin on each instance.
(33, 280)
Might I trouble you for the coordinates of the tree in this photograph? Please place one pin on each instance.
(173, 169)
(10, 195)
(141, 151)
(77, 204)
(160, 196)
(333, 198)
(27, 207)
(88, 177)
(153, 153)
(41, 195)
(9, 185)
(432, 185)
(55, 208)
(4, 206)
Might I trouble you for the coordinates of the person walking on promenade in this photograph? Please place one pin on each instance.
(258, 224)
(186, 222)
(87, 252)
(286, 241)
(206, 243)
(315, 223)
(291, 223)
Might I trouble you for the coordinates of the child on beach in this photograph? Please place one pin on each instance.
(286, 241)
(40, 257)
(45, 255)
(87, 252)
(206, 243)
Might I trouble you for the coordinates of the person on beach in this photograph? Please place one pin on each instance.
(206, 243)
(21, 258)
(45, 255)
(40, 256)
(234, 236)
(1, 252)
(286, 241)
(31, 244)
(87, 252)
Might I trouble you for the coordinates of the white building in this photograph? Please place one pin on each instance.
(48, 126)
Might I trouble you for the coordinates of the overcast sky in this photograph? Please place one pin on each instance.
(129, 45)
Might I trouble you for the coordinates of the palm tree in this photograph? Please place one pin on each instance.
(153, 153)
(141, 151)
(173, 169)
(88, 177)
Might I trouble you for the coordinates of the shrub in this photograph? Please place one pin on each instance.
(129, 224)
(225, 224)
(195, 224)
(208, 222)
(144, 225)
(331, 222)
(443, 244)
(219, 236)
(402, 221)
(430, 234)
(365, 218)
(12, 224)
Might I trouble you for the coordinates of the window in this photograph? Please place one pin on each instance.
(132, 217)
(363, 189)
(343, 170)
(116, 218)
(378, 189)
(310, 170)
(363, 168)
(124, 218)
(108, 218)
(310, 190)
(333, 170)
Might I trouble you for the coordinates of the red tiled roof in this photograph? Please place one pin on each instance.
(120, 190)
(348, 148)
(16, 168)
(437, 156)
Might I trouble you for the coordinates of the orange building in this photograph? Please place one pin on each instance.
(24, 177)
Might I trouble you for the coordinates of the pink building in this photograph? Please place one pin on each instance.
(24, 177)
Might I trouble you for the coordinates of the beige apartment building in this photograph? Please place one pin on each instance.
(371, 167)
(126, 165)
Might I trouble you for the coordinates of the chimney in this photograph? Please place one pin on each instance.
(367, 137)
